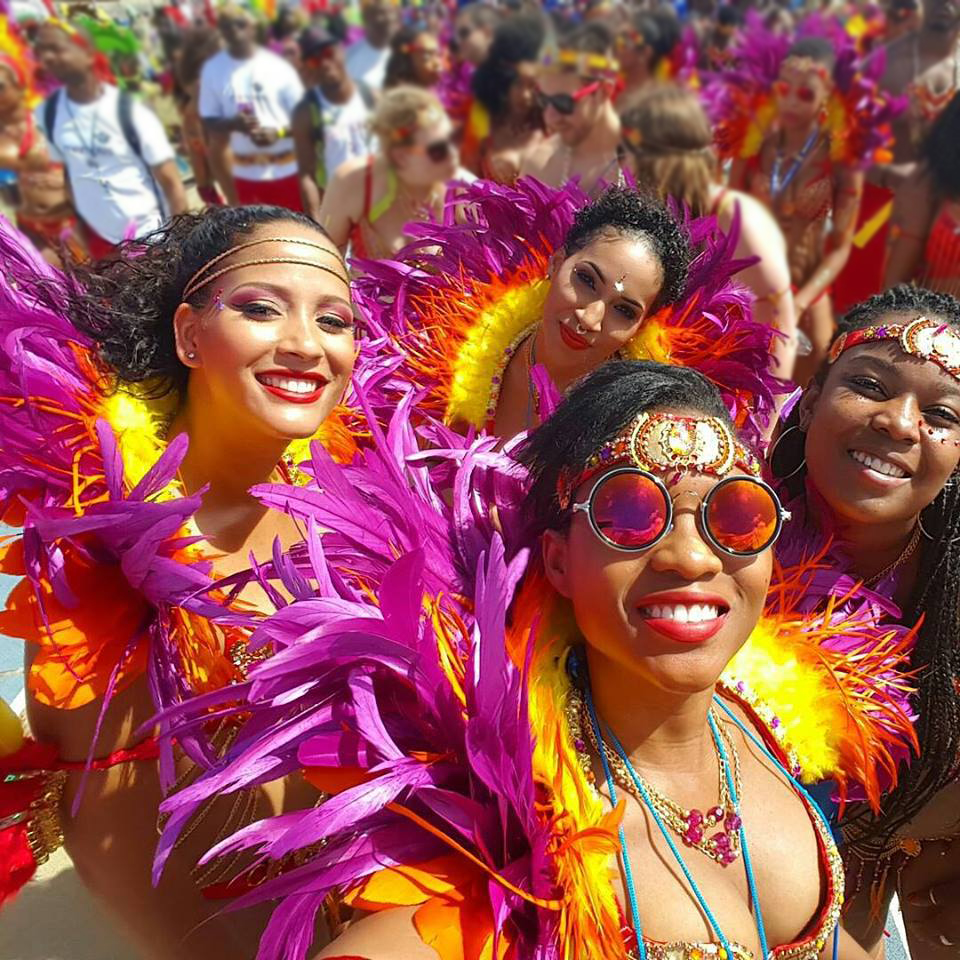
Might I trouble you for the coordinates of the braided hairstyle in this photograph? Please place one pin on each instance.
(936, 655)
(595, 411)
(126, 302)
(619, 210)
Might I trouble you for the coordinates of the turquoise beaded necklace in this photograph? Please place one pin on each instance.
(598, 731)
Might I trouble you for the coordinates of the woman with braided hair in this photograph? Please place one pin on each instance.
(871, 455)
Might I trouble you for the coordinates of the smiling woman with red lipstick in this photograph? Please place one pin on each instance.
(625, 257)
(606, 784)
(164, 384)
(871, 455)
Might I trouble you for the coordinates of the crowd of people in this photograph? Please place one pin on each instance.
(486, 477)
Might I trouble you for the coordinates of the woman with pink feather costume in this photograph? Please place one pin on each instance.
(143, 397)
(801, 117)
(470, 813)
(871, 458)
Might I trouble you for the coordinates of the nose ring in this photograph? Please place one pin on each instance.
(580, 328)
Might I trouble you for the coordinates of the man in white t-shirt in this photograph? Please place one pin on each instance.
(367, 58)
(119, 163)
(332, 123)
(247, 99)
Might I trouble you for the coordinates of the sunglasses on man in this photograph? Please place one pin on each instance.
(566, 103)
(321, 56)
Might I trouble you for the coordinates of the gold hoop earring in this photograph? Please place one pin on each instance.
(777, 442)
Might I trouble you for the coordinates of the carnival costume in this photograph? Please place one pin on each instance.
(741, 101)
(462, 297)
(741, 104)
(927, 339)
(445, 731)
(113, 569)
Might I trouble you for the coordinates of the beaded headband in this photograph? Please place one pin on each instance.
(586, 64)
(203, 276)
(666, 442)
(808, 64)
(923, 338)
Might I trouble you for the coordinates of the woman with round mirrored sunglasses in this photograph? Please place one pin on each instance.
(631, 509)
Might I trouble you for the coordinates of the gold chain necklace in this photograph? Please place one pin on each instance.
(690, 825)
(908, 551)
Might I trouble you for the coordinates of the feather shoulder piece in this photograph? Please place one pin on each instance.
(833, 657)
(439, 731)
(463, 296)
(741, 101)
(84, 470)
(392, 689)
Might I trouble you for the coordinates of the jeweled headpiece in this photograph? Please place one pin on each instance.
(924, 338)
(667, 443)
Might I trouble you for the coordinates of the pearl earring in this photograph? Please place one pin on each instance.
(191, 356)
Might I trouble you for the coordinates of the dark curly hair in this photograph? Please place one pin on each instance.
(594, 412)
(126, 302)
(624, 211)
(936, 655)
(941, 150)
(516, 41)
(400, 67)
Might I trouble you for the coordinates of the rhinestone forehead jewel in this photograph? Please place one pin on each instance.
(668, 443)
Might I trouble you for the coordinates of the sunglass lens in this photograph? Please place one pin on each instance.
(563, 103)
(630, 510)
(439, 151)
(742, 516)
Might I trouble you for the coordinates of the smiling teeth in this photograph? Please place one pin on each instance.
(880, 466)
(291, 386)
(694, 613)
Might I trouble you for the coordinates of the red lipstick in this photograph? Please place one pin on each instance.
(677, 630)
(573, 340)
(292, 396)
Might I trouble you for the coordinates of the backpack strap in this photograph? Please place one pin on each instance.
(130, 134)
(366, 94)
(50, 114)
(312, 97)
(50, 107)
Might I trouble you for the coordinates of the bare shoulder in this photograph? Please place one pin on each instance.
(900, 66)
(759, 228)
(344, 195)
(536, 160)
(350, 173)
(389, 935)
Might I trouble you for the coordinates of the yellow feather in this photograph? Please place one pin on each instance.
(481, 356)
(584, 837)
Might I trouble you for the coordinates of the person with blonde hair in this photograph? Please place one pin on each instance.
(669, 142)
(370, 200)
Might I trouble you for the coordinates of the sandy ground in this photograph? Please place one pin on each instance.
(54, 918)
